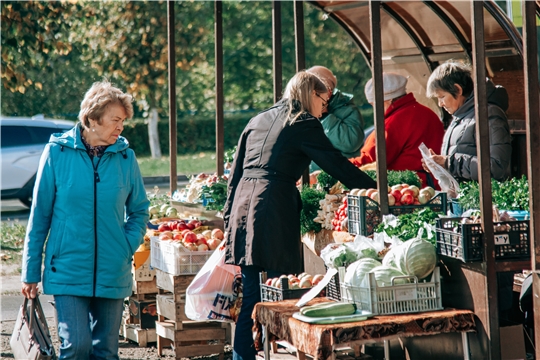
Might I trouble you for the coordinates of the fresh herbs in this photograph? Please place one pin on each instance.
(228, 157)
(310, 206)
(326, 180)
(398, 177)
(408, 226)
(512, 194)
(214, 195)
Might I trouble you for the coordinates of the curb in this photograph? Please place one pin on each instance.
(152, 180)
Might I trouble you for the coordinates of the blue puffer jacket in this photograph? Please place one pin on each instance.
(94, 219)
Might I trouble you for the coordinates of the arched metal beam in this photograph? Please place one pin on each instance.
(354, 36)
(506, 25)
(415, 39)
(451, 26)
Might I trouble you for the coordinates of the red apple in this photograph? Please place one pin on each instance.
(164, 227)
(165, 236)
(391, 200)
(396, 194)
(181, 226)
(407, 191)
(407, 199)
(203, 247)
(218, 234)
(178, 237)
(190, 237)
(193, 224)
(415, 190)
(317, 279)
(213, 243)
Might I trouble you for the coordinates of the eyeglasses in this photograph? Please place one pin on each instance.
(324, 101)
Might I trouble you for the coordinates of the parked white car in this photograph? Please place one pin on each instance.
(22, 142)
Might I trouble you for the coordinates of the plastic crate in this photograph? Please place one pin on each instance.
(466, 241)
(173, 258)
(333, 290)
(271, 293)
(395, 299)
(364, 214)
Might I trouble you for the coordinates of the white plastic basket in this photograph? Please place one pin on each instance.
(395, 299)
(175, 259)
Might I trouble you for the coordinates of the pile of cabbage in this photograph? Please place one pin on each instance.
(404, 260)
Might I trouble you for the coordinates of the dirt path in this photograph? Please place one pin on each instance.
(128, 349)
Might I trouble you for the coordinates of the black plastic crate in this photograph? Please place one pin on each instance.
(333, 289)
(364, 214)
(466, 241)
(271, 293)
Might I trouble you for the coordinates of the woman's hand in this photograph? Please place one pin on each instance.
(439, 159)
(313, 177)
(29, 290)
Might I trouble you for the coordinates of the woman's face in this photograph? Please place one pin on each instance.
(112, 125)
(449, 102)
(319, 102)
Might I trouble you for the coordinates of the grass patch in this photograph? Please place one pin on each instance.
(186, 164)
(11, 242)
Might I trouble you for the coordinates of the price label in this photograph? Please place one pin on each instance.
(405, 294)
(502, 239)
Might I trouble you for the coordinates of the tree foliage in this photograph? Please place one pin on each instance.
(52, 51)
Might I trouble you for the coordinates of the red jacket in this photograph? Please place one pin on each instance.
(407, 124)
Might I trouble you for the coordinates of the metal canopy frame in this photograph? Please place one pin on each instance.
(474, 50)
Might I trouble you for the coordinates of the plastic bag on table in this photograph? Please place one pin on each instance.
(216, 291)
(446, 181)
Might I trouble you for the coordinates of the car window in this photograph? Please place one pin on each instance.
(15, 136)
(41, 135)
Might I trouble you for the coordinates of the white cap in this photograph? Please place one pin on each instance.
(393, 84)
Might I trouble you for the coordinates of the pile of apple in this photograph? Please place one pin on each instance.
(399, 195)
(302, 281)
(341, 221)
(205, 241)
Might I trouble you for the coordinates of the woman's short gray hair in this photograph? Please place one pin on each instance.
(447, 75)
(298, 90)
(98, 97)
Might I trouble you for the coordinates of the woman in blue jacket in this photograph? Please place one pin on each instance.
(90, 204)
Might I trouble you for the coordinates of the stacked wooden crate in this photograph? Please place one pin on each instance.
(187, 338)
(140, 326)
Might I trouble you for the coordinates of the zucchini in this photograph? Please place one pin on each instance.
(329, 309)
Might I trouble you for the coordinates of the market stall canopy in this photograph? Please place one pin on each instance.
(417, 36)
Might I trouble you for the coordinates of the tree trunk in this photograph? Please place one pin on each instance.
(153, 135)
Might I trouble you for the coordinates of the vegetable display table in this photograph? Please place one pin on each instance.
(320, 341)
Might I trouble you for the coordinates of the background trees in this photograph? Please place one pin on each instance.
(53, 51)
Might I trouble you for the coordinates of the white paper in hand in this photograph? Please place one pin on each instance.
(317, 288)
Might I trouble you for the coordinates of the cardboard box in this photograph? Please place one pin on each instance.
(144, 311)
(512, 343)
(141, 269)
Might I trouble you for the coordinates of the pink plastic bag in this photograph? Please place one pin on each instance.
(216, 291)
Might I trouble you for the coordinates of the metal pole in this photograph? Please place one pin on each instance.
(532, 119)
(276, 50)
(172, 97)
(218, 13)
(491, 324)
(378, 106)
(300, 54)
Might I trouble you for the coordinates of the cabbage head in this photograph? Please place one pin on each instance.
(356, 274)
(384, 274)
(416, 257)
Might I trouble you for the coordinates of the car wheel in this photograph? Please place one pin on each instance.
(26, 201)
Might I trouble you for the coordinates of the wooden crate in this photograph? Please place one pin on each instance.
(142, 289)
(205, 338)
(170, 309)
(175, 284)
(142, 337)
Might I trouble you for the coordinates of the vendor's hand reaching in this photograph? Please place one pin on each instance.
(29, 290)
(313, 177)
(439, 159)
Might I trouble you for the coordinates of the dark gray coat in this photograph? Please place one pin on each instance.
(459, 141)
(262, 212)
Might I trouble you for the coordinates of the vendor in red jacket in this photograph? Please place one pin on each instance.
(407, 124)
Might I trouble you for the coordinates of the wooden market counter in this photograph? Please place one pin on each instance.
(320, 341)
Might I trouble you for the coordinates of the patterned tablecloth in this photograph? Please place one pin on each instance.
(317, 340)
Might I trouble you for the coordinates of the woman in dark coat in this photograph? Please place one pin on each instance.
(262, 212)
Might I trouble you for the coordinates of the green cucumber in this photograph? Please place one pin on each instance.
(329, 309)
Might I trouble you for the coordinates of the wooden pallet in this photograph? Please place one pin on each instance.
(205, 338)
(142, 337)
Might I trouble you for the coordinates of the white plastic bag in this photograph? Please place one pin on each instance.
(216, 291)
(446, 181)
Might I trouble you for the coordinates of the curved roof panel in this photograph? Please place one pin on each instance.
(417, 36)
